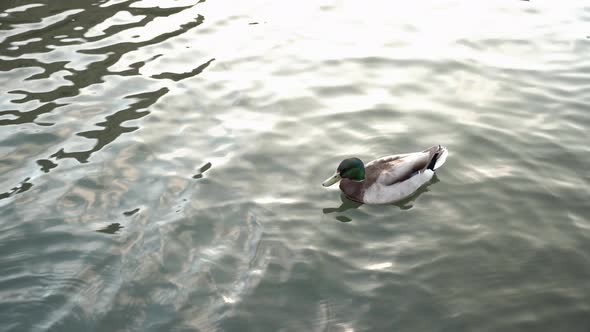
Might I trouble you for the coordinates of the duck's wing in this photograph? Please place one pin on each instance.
(398, 168)
(394, 169)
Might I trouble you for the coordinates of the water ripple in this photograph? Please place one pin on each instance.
(161, 164)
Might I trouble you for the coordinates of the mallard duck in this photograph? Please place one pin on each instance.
(388, 179)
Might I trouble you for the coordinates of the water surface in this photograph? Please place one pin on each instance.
(161, 165)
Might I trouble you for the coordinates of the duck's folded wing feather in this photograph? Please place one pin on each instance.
(394, 169)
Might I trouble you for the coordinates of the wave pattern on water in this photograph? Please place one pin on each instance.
(161, 164)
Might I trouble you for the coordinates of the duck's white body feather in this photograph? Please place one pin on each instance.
(380, 193)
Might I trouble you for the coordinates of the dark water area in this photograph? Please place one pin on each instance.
(161, 165)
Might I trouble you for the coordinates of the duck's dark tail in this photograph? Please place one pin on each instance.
(438, 157)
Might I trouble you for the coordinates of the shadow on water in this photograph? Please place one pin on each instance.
(76, 21)
(202, 170)
(131, 212)
(22, 187)
(405, 204)
(111, 229)
(113, 127)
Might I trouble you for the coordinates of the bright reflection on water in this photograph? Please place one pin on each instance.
(161, 165)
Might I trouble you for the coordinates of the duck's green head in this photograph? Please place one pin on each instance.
(351, 168)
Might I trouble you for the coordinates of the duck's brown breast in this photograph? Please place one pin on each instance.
(354, 190)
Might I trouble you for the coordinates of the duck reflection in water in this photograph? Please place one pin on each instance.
(405, 204)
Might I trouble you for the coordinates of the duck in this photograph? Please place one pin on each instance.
(388, 179)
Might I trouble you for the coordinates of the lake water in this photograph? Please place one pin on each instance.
(161, 165)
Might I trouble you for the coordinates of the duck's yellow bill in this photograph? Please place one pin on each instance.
(331, 180)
